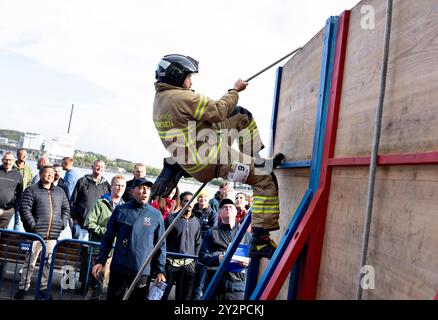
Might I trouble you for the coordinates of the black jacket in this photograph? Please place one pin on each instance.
(215, 243)
(45, 212)
(11, 188)
(214, 202)
(185, 237)
(63, 186)
(85, 195)
(127, 195)
(207, 218)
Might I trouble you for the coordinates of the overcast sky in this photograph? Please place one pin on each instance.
(101, 56)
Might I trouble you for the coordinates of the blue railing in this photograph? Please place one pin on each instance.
(5, 250)
(66, 270)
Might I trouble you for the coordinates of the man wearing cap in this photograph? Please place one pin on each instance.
(213, 248)
(137, 227)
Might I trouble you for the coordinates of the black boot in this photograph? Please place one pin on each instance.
(262, 246)
(276, 161)
(20, 294)
(168, 178)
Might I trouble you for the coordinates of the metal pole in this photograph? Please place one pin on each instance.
(375, 147)
(71, 115)
(159, 243)
(273, 64)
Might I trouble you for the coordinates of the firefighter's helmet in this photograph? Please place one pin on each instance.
(174, 68)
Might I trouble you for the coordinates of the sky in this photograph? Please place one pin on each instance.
(101, 56)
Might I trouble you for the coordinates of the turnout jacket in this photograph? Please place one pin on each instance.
(180, 114)
(45, 212)
(136, 228)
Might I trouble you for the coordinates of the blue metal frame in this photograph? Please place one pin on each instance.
(37, 237)
(275, 109)
(295, 164)
(55, 250)
(318, 145)
(323, 100)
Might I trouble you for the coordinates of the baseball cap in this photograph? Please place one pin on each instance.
(226, 201)
(142, 182)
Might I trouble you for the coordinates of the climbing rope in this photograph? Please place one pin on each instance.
(375, 148)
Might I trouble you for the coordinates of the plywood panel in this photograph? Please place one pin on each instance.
(292, 184)
(298, 101)
(410, 117)
(403, 239)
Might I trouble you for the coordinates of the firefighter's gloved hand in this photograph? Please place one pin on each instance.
(168, 178)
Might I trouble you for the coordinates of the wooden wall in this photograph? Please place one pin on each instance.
(298, 101)
(403, 246)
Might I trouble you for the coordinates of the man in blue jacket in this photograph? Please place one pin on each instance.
(137, 227)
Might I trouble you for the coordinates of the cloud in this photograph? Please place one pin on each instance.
(101, 55)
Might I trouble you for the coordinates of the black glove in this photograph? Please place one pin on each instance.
(168, 179)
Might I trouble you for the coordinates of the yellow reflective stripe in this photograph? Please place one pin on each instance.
(266, 212)
(264, 198)
(203, 108)
(197, 108)
(201, 166)
(177, 132)
(251, 125)
(266, 209)
(170, 136)
(250, 136)
(270, 205)
(200, 106)
(270, 201)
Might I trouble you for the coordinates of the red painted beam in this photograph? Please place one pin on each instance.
(292, 252)
(388, 159)
(309, 276)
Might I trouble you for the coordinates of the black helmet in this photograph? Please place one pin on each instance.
(174, 68)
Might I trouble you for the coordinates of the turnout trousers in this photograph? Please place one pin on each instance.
(241, 165)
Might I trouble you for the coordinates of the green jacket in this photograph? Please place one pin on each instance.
(27, 174)
(97, 219)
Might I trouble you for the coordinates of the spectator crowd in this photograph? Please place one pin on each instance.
(128, 224)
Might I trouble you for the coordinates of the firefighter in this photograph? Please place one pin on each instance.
(198, 133)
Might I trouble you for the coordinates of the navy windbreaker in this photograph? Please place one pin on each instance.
(136, 228)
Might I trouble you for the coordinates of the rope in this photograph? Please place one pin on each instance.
(375, 147)
(273, 64)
